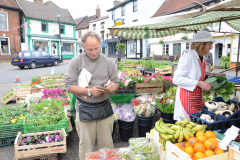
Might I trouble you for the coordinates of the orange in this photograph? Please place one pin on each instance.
(210, 134)
(193, 141)
(190, 154)
(178, 146)
(209, 153)
(199, 155)
(209, 144)
(200, 133)
(215, 141)
(183, 149)
(187, 144)
(201, 139)
(199, 147)
(190, 151)
(218, 151)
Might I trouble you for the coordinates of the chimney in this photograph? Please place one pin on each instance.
(98, 12)
(38, 1)
(116, 3)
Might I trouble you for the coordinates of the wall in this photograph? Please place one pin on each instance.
(14, 41)
(98, 27)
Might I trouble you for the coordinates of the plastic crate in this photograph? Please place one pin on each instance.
(234, 119)
(233, 79)
(7, 141)
(30, 128)
(128, 89)
(218, 124)
(8, 131)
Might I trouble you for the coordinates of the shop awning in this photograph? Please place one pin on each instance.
(159, 29)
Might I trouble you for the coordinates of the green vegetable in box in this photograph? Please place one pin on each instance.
(220, 87)
(152, 156)
(143, 148)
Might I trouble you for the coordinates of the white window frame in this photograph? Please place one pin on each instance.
(94, 27)
(123, 10)
(113, 14)
(8, 47)
(7, 19)
(164, 46)
(135, 9)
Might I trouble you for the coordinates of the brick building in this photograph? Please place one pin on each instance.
(10, 40)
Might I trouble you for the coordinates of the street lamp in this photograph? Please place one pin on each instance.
(58, 15)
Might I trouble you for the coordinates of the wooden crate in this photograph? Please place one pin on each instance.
(53, 86)
(164, 71)
(138, 67)
(5, 100)
(149, 87)
(23, 91)
(45, 78)
(233, 153)
(44, 157)
(36, 90)
(19, 98)
(128, 65)
(39, 149)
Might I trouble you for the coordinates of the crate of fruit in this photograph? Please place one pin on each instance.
(8, 96)
(156, 87)
(231, 114)
(213, 121)
(34, 124)
(41, 143)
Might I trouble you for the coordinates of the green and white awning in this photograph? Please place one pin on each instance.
(158, 30)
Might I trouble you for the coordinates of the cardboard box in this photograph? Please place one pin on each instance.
(173, 152)
(158, 147)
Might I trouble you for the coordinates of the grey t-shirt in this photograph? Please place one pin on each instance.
(102, 69)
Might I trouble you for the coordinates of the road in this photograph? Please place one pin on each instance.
(8, 72)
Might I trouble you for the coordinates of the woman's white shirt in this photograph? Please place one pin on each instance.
(186, 76)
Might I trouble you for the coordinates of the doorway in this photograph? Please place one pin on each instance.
(218, 53)
(54, 48)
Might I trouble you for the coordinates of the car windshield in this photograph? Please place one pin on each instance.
(18, 54)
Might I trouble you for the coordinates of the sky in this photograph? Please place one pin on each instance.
(80, 8)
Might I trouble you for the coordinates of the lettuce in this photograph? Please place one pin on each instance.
(220, 87)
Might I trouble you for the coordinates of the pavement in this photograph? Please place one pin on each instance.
(8, 152)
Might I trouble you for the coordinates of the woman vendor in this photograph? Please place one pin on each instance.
(190, 76)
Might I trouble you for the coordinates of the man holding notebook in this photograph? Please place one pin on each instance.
(94, 114)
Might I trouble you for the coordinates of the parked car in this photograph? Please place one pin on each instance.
(33, 59)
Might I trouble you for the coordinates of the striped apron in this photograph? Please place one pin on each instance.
(192, 100)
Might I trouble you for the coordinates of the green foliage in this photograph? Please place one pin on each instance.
(23, 85)
(220, 87)
(161, 42)
(121, 47)
(184, 38)
(7, 113)
(34, 79)
(224, 59)
(224, 62)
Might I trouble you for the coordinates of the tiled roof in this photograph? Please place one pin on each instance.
(78, 20)
(175, 5)
(46, 11)
(9, 3)
(85, 22)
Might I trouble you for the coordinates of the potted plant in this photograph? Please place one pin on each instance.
(145, 112)
(161, 42)
(184, 38)
(121, 47)
(166, 104)
(224, 62)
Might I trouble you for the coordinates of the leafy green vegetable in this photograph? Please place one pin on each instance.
(220, 87)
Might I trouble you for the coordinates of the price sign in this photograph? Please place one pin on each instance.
(118, 23)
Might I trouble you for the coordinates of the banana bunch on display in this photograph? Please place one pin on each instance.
(177, 132)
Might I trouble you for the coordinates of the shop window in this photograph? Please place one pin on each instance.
(3, 21)
(113, 15)
(62, 29)
(67, 48)
(123, 10)
(131, 48)
(40, 46)
(94, 26)
(4, 46)
(135, 6)
(44, 27)
(166, 49)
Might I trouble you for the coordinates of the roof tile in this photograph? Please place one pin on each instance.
(85, 22)
(9, 3)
